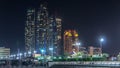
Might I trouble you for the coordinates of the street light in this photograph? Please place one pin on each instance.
(20, 54)
(29, 52)
(35, 52)
(42, 51)
(101, 41)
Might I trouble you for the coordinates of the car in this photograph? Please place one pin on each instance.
(26, 63)
(3, 62)
(15, 62)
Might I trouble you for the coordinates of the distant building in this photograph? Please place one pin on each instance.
(70, 41)
(83, 50)
(4, 52)
(94, 51)
(118, 57)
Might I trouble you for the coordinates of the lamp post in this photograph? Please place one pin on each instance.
(101, 42)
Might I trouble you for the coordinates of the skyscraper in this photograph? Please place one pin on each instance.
(42, 28)
(46, 32)
(30, 30)
(70, 41)
(56, 28)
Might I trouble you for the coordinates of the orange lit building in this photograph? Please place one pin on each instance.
(70, 38)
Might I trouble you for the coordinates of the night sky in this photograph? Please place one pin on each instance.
(91, 18)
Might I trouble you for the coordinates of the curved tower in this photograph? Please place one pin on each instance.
(70, 38)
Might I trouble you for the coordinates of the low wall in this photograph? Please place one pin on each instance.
(95, 63)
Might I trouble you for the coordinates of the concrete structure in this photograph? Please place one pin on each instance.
(4, 52)
(106, 64)
(70, 40)
(83, 50)
(94, 51)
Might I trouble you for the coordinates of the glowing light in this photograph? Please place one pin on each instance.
(42, 50)
(60, 57)
(69, 34)
(35, 51)
(78, 43)
(20, 54)
(29, 52)
(50, 49)
(25, 53)
(76, 35)
(66, 33)
(55, 57)
(101, 40)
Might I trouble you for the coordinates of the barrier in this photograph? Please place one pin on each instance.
(97, 63)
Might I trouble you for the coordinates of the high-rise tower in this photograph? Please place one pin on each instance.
(30, 30)
(58, 36)
(41, 27)
(43, 32)
(70, 40)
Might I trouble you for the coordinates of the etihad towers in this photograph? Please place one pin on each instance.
(43, 31)
(30, 30)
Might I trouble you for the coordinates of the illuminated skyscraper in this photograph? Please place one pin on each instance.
(46, 32)
(54, 35)
(70, 40)
(57, 36)
(42, 28)
(30, 30)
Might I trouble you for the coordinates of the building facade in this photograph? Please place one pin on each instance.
(4, 52)
(94, 51)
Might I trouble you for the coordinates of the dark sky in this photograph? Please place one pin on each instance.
(91, 18)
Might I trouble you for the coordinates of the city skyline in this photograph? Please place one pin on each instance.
(43, 31)
(90, 19)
